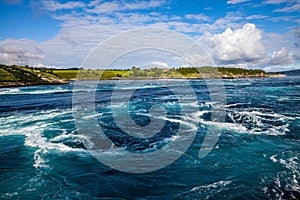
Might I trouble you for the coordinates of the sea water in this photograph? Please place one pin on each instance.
(43, 155)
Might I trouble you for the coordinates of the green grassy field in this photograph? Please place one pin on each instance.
(90, 74)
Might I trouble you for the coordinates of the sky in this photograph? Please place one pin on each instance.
(251, 34)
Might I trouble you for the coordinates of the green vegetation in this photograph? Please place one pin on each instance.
(69, 74)
(7, 76)
(16, 73)
(137, 73)
(19, 76)
(65, 74)
(221, 72)
(134, 72)
(29, 75)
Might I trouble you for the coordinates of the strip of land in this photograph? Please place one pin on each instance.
(11, 76)
(159, 73)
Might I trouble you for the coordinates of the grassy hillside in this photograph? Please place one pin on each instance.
(19, 76)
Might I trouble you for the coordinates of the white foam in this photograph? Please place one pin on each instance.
(67, 136)
(39, 161)
(234, 105)
(211, 186)
(32, 91)
(190, 124)
(9, 91)
(273, 158)
(261, 122)
(32, 126)
(291, 174)
(226, 126)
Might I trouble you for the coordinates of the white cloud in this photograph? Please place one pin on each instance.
(54, 5)
(80, 31)
(278, 68)
(232, 19)
(236, 1)
(251, 17)
(106, 8)
(290, 8)
(144, 4)
(276, 1)
(159, 64)
(290, 5)
(298, 37)
(282, 57)
(198, 17)
(117, 6)
(237, 46)
(19, 52)
(283, 18)
(39, 65)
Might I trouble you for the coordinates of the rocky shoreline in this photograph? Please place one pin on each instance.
(23, 84)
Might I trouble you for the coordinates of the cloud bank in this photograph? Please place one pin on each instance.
(231, 39)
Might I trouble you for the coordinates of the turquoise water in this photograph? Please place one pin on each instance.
(43, 155)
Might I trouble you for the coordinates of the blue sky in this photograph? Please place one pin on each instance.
(240, 33)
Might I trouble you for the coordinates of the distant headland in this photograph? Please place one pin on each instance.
(12, 76)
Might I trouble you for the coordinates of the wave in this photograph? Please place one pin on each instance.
(260, 121)
(9, 91)
(209, 191)
(286, 183)
(211, 186)
(34, 127)
(30, 90)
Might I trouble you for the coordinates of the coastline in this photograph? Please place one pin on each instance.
(19, 76)
(183, 78)
(24, 84)
(62, 82)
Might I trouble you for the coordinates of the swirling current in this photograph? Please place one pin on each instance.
(257, 155)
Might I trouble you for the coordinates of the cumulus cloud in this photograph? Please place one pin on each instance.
(159, 64)
(282, 57)
(237, 46)
(236, 1)
(90, 23)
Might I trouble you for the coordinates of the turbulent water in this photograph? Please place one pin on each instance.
(257, 155)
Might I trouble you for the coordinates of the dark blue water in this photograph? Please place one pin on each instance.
(43, 155)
